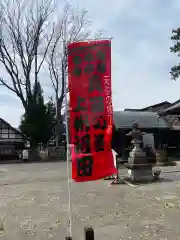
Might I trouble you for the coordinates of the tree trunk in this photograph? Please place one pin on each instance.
(59, 102)
(57, 121)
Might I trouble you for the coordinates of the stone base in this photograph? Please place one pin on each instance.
(141, 174)
(117, 181)
(109, 178)
(168, 163)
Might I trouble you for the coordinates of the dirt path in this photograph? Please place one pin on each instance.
(33, 205)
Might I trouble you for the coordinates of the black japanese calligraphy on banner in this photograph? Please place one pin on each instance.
(77, 61)
(90, 67)
(82, 143)
(99, 122)
(81, 104)
(99, 142)
(88, 64)
(81, 123)
(95, 84)
(84, 166)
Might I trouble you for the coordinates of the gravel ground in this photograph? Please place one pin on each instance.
(33, 205)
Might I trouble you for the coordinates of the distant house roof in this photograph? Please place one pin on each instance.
(153, 108)
(132, 109)
(125, 119)
(173, 109)
(14, 129)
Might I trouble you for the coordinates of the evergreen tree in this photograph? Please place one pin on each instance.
(37, 122)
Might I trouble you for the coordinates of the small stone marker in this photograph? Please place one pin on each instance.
(89, 233)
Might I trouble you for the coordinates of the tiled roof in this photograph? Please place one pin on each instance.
(8, 125)
(174, 108)
(125, 119)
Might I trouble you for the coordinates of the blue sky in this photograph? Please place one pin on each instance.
(141, 60)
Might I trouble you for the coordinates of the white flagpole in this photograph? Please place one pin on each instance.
(66, 120)
(64, 75)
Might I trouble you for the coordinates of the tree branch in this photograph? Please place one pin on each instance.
(74, 26)
(22, 28)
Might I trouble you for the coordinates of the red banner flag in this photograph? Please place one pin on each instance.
(89, 71)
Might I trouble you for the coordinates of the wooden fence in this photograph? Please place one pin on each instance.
(88, 234)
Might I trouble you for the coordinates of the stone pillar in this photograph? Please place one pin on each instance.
(161, 157)
(138, 167)
(137, 155)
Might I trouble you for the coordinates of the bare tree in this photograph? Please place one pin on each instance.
(23, 28)
(72, 26)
